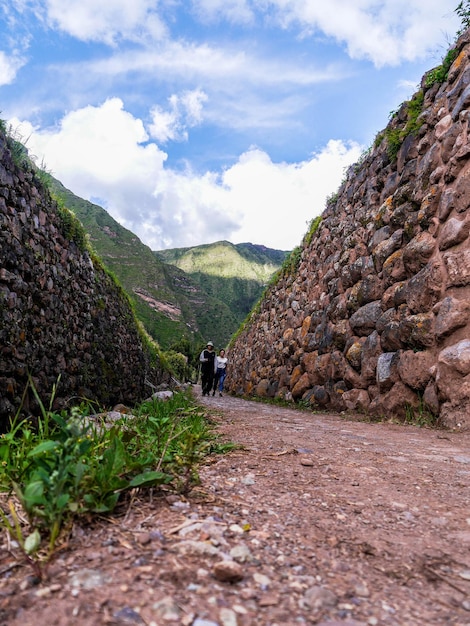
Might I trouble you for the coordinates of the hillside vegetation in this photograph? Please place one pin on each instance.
(148, 282)
(245, 260)
(235, 274)
(184, 296)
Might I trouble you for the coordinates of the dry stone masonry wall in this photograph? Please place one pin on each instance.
(377, 316)
(63, 320)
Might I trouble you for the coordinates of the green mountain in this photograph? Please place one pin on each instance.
(175, 305)
(167, 313)
(234, 274)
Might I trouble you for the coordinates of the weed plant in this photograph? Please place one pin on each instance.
(439, 74)
(312, 229)
(62, 467)
(396, 136)
(420, 416)
(463, 11)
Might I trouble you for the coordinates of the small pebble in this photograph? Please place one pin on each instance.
(228, 571)
(144, 538)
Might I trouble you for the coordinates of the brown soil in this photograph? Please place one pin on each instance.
(315, 519)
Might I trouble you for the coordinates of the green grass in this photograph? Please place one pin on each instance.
(420, 416)
(439, 74)
(395, 136)
(59, 468)
(312, 229)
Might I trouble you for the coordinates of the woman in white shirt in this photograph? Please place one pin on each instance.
(220, 372)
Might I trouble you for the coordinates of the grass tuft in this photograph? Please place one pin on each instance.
(58, 468)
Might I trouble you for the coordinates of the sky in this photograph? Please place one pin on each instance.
(196, 121)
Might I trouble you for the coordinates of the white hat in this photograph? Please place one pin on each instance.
(209, 343)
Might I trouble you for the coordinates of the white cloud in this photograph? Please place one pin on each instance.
(236, 11)
(9, 66)
(192, 103)
(226, 67)
(278, 200)
(165, 124)
(102, 152)
(185, 111)
(386, 32)
(227, 86)
(106, 20)
(220, 87)
(255, 200)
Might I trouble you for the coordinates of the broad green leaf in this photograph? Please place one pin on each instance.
(32, 542)
(62, 501)
(150, 478)
(34, 493)
(45, 446)
(107, 505)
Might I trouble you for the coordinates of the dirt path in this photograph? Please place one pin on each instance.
(317, 519)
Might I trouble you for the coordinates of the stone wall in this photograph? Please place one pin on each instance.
(61, 315)
(377, 316)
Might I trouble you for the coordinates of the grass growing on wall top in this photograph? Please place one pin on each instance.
(439, 74)
(395, 136)
(313, 227)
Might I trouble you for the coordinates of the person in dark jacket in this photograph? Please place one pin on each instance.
(207, 359)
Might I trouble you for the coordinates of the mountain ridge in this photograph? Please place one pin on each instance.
(175, 305)
(236, 274)
(264, 261)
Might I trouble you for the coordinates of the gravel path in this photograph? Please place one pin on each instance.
(313, 519)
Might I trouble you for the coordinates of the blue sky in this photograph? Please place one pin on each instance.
(193, 121)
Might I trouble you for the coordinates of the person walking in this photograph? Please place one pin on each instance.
(207, 360)
(220, 372)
